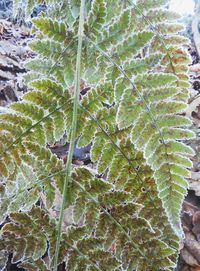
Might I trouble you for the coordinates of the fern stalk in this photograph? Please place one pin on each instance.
(73, 130)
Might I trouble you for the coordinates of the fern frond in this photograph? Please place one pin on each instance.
(124, 214)
(115, 31)
(45, 124)
(53, 29)
(24, 243)
(46, 49)
(132, 45)
(142, 5)
(151, 109)
(30, 182)
(112, 201)
(96, 17)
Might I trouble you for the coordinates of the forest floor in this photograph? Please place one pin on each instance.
(14, 51)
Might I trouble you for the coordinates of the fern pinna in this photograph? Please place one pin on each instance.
(115, 72)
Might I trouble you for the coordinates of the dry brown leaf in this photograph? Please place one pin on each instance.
(195, 186)
(194, 107)
(188, 258)
(191, 251)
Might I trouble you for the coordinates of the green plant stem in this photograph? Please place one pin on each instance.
(73, 131)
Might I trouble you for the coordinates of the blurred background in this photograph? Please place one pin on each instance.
(183, 6)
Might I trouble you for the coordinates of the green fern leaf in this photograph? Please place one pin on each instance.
(150, 5)
(115, 30)
(132, 45)
(53, 29)
(150, 130)
(96, 17)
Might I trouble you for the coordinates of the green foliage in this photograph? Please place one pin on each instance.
(124, 214)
